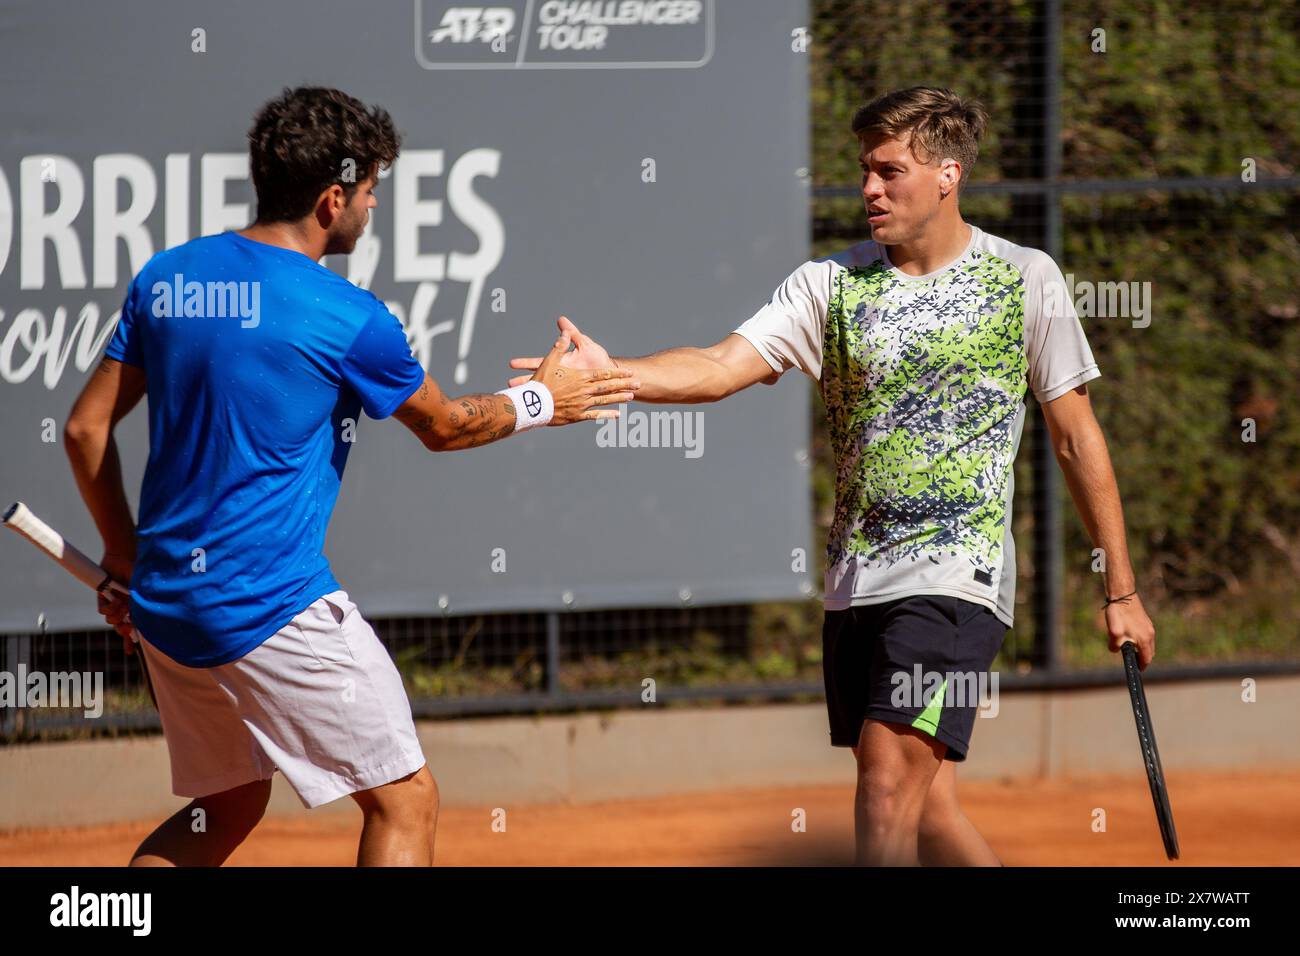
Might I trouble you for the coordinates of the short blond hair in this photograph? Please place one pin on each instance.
(942, 125)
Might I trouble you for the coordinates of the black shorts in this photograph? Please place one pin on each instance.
(916, 661)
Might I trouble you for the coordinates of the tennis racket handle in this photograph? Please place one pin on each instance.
(21, 519)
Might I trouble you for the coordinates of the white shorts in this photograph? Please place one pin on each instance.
(320, 701)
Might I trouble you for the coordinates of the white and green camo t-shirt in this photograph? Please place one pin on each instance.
(923, 379)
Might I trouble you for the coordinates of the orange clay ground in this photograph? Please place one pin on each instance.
(1223, 819)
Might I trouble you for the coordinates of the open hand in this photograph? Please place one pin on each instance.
(586, 354)
(578, 392)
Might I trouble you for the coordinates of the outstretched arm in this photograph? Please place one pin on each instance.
(679, 376)
(690, 375)
(452, 424)
(1081, 452)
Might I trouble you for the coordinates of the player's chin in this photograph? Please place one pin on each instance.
(882, 234)
(341, 247)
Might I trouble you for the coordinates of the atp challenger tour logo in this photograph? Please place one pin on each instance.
(560, 34)
(469, 24)
(45, 255)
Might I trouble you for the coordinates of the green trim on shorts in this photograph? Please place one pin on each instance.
(929, 718)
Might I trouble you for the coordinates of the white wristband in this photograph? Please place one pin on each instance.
(533, 404)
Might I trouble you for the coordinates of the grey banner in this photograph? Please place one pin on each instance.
(654, 206)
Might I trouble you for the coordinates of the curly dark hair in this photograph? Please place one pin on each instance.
(299, 142)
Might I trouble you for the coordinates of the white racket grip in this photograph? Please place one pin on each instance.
(21, 519)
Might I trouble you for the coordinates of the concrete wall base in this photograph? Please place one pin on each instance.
(628, 754)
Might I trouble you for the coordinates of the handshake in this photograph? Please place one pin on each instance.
(580, 377)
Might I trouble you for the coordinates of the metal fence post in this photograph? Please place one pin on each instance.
(552, 653)
(18, 654)
(1048, 528)
(10, 659)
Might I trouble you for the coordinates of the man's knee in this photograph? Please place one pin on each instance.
(410, 801)
(426, 795)
(894, 775)
(882, 792)
(887, 806)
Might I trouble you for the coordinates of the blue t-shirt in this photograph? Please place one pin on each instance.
(258, 361)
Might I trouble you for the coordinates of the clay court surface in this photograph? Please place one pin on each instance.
(1224, 819)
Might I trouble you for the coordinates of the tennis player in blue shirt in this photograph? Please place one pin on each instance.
(257, 362)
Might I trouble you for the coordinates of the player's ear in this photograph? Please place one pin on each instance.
(949, 176)
(330, 204)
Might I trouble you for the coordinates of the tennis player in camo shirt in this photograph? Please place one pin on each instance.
(923, 340)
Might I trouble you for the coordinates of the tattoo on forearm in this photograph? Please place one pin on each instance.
(475, 419)
(480, 419)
